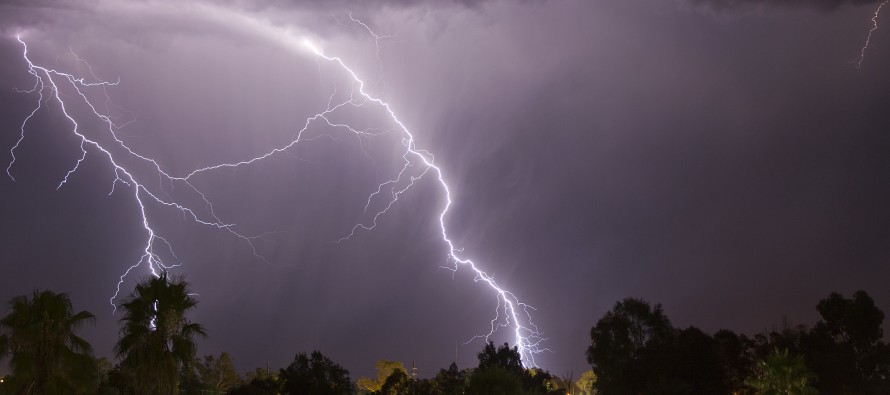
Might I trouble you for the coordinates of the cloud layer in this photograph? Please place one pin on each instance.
(817, 4)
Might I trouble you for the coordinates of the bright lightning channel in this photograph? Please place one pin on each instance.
(47, 84)
(874, 21)
(510, 312)
(528, 338)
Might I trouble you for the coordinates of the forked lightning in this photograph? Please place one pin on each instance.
(50, 84)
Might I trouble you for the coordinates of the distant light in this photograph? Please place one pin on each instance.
(308, 44)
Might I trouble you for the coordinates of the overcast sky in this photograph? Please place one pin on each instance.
(724, 158)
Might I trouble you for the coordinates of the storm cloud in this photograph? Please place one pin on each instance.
(827, 5)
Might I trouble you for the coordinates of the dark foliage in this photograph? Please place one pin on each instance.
(315, 375)
(121, 380)
(46, 355)
(735, 354)
(502, 356)
(845, 347)
(699, 364)
(451, 381)
(258, 386)
(494, 380)
(634, 349)
(398, 383)
(495, 362)
(157, 338)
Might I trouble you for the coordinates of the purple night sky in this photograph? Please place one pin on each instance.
(726, 158)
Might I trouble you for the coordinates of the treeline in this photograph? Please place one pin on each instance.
(157, 347)
(499, 372)
(634, 350)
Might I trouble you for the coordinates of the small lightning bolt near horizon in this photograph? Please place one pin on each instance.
(874, 21)
(416, 163)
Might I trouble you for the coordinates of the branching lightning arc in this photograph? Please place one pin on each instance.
(48, 86)
(874, 21)
(66, 90)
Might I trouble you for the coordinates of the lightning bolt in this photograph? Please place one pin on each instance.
(528, 338)
(48, 85)
(416, 163)
(874, 21)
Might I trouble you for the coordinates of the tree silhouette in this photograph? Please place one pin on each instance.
(451, 381)
(846, 347)
(40, 335)
(698, 364)
(502, 356)
(496, 362)
(157, 338)
(398, 383)
(632, 348)
(315, 375)
(261, 381)
(494, 380)
(735, 353)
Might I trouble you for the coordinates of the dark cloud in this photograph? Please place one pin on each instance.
(355, 5)
(817, 4)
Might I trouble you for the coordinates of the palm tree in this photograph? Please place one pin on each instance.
(39, 333)
(783, 374)
(157, 338)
